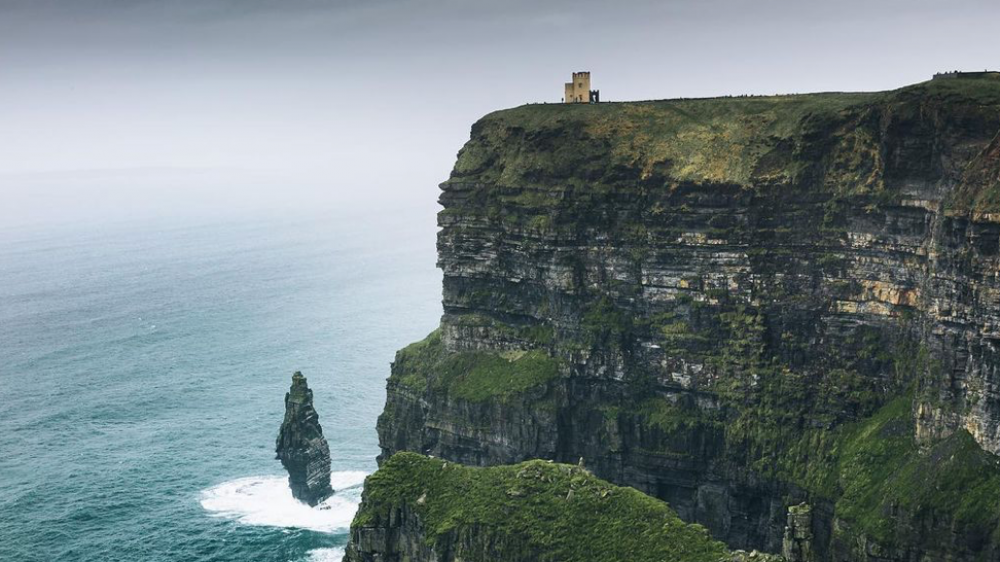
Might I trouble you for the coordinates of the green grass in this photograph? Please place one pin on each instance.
(668, 416)
(537, 510)
(721, 140)
(417, 359)
(480, 376)
(542, 152)
(472, 376)
(881, 469)
(604, 324)
(982, 91)
(873, 468)
(834, 436)
(538, 334)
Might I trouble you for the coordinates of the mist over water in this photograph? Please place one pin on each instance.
(199, 197)
(143, 368)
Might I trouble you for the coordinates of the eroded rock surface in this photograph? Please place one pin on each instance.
(419, 509)
(301, 447)
(734, 305)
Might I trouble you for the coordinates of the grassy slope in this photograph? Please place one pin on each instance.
(473, 376)
(874, 467)
(553, 511)
(738, 141)
(711, 140)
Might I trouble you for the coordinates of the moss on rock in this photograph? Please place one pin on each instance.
(473, 376)
(544, 511)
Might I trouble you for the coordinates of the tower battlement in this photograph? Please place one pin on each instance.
(578, 91)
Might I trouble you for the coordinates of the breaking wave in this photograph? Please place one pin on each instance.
(268, 501)
(335, 554)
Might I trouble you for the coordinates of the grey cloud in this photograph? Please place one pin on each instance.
(350, 93)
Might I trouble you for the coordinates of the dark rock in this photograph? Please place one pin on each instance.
(797, 544)
(301, 447)
(419, 509)
(729, 287)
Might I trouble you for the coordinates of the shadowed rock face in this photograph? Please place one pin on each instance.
(419, 509)
(301, 447)
(751, 304)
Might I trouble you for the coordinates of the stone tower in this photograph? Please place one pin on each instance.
(578, 91)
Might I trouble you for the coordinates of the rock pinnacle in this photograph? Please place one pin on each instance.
(301, 447)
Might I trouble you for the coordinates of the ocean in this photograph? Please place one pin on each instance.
(143, 368)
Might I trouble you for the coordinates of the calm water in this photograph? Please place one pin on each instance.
(143, 368)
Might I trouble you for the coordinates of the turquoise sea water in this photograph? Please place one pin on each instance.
(143, 369)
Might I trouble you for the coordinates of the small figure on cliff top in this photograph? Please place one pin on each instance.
(301, 447)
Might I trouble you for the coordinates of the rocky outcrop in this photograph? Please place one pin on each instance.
(734, 305)
(301, 447)
(797, 545)
(419, 509)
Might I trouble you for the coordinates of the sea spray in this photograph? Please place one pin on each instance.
(267, 501)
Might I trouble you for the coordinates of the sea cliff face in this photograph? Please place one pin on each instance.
(416, 508)
(734, 305)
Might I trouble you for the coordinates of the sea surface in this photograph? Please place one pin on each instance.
(143, 368)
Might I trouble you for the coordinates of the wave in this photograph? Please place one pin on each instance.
(335, 554)
(268, 501)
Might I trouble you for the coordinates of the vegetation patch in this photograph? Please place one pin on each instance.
(480, 376)
(721, 140)
(416, 360)
(539, 158)
(670, 417)
(538, 510)
(832, 433)
(606, 325)
(473, 376)
(873, 469)
(536, 334)
(881, 470)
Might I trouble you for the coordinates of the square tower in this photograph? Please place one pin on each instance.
(578, 91)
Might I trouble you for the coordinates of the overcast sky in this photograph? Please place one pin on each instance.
(130, 101)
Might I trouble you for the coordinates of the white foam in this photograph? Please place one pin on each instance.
(268, 501)
(347, 479)
(326, 555)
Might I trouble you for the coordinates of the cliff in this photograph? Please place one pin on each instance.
(301, 447)
(734, 305)
(422, 509)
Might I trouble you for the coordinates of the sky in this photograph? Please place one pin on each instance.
(113, 108)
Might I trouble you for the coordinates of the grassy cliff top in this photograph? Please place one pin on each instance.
(551, 511)
(742, 141)
(472, 376)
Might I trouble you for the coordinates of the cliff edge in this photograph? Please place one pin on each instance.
(737, 306)
(418, 508)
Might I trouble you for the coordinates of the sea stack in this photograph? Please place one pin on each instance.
(301, 447)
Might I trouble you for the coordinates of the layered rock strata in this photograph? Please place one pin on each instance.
(735, 305)
(798, 541)
(301, 447)
(419, 509)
